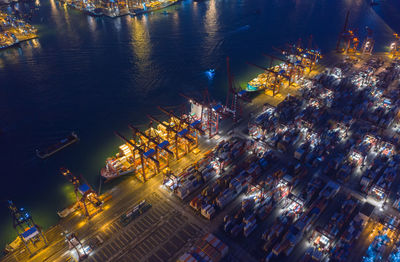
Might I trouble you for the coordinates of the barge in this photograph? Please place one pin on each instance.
(63, 143)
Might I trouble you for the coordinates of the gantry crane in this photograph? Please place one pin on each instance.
(395, 46)
(368, 44)
(144, 159)
(294, 70)
(26, 228)
(153, 143)
(347, 41)
(191, 126)
(86, 197)
(207, 114)
(233, 106)
(275, 78)
(180, 135)
(308, 57)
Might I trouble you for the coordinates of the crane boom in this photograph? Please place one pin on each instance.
(149, 138)
(169, 128)
(136, 148)
(268, 70)
(177, 117)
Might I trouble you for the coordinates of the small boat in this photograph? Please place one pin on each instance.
(69, 140)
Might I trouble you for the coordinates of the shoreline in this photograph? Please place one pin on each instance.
(19, 42)
(120, 14)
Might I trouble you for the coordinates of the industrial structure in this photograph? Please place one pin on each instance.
(347, 41)
(294, 70)
(149, 152)
(232, 104)
(274, 80)
(368, 44)
(76, 244)
(395, 46)
(205, 113)
(25, 227)
(86, 198)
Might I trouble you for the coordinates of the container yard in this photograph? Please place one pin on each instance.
(14, 31)
(311, 179)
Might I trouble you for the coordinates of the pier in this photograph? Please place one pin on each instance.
(304, 170)
(117, 8)
(14, 31)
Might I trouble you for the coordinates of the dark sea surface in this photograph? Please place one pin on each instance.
(96, 75)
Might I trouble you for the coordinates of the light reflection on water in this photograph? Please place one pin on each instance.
(95, 75)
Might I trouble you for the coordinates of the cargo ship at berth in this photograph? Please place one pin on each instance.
(63, 143)
(115, 167)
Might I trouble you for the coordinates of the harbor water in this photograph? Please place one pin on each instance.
(96, 75)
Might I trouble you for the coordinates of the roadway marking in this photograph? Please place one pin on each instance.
(131, 231)
(175, 239)
(107, 251)
(147, 223)
(138, 229)
(127, 236)
(119, 242)
(154, 258)
(140, 251)
(145, 247)
(125, 241)
(114, 246)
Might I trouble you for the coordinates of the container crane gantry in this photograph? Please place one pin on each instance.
(192, 126)
(233, 107)
(207, 113)
(395, 46)
(308, 57)
(144, 157)
(153, 143)
(86, 197)
(25, 227)
(295, 70)
(178, 133)
(277, 80)
(368, 44)
(347, 38)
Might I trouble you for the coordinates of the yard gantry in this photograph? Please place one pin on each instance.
(275, 79)
(86, 197)
(179, 135)
(154, 143)
(25, 227)
(294, 70)
(146, 160)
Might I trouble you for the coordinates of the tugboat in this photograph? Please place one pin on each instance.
(69, 140)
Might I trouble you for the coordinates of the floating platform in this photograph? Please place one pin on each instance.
(51, 150)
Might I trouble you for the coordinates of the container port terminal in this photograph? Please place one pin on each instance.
(300, 166)
(112, 8)
(14, 31)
